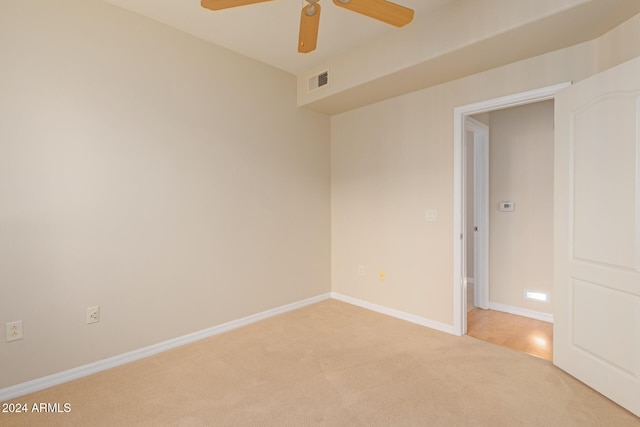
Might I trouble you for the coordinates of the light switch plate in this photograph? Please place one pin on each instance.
(506, 206)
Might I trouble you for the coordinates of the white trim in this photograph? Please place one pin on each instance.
(459, 113)
(522, 98)
(538, 315)
(394, 313)
(101, 365)
(458, 224)
(637, 185)
(480, 209)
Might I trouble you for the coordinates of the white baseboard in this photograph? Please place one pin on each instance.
(395, 313)
(545, 317)
(112, 362)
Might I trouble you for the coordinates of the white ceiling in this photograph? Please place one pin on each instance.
(268, 31)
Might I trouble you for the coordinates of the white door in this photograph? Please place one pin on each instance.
(597, 233)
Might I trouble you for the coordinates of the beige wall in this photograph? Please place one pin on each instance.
(521, 171)
(394, 159)
(619, 45)
(172, 183)
(176, 185)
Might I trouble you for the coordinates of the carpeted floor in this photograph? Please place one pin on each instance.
(330, 364)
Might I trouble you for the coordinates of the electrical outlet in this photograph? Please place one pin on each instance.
(14, 331)
(361, 270)
(93, 314)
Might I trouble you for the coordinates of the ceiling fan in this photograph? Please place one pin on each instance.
(382, 10)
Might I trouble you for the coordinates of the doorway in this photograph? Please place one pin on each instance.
(516, 169)
(461, 225)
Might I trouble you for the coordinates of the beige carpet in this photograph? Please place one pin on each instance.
(330, 364)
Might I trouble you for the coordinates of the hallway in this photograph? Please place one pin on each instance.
(519, 333)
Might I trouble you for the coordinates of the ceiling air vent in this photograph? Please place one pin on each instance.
(319, 80)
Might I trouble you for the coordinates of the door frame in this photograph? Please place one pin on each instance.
(480, 211)
(459, 248)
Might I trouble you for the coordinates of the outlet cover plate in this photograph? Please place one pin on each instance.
(93, 314)
(14, 331)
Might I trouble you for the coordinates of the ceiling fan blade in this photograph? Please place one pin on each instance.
(309, 25)
(381, 10)
(226, 4)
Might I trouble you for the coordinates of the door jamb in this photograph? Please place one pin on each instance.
(459, 115)
(480, 210)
